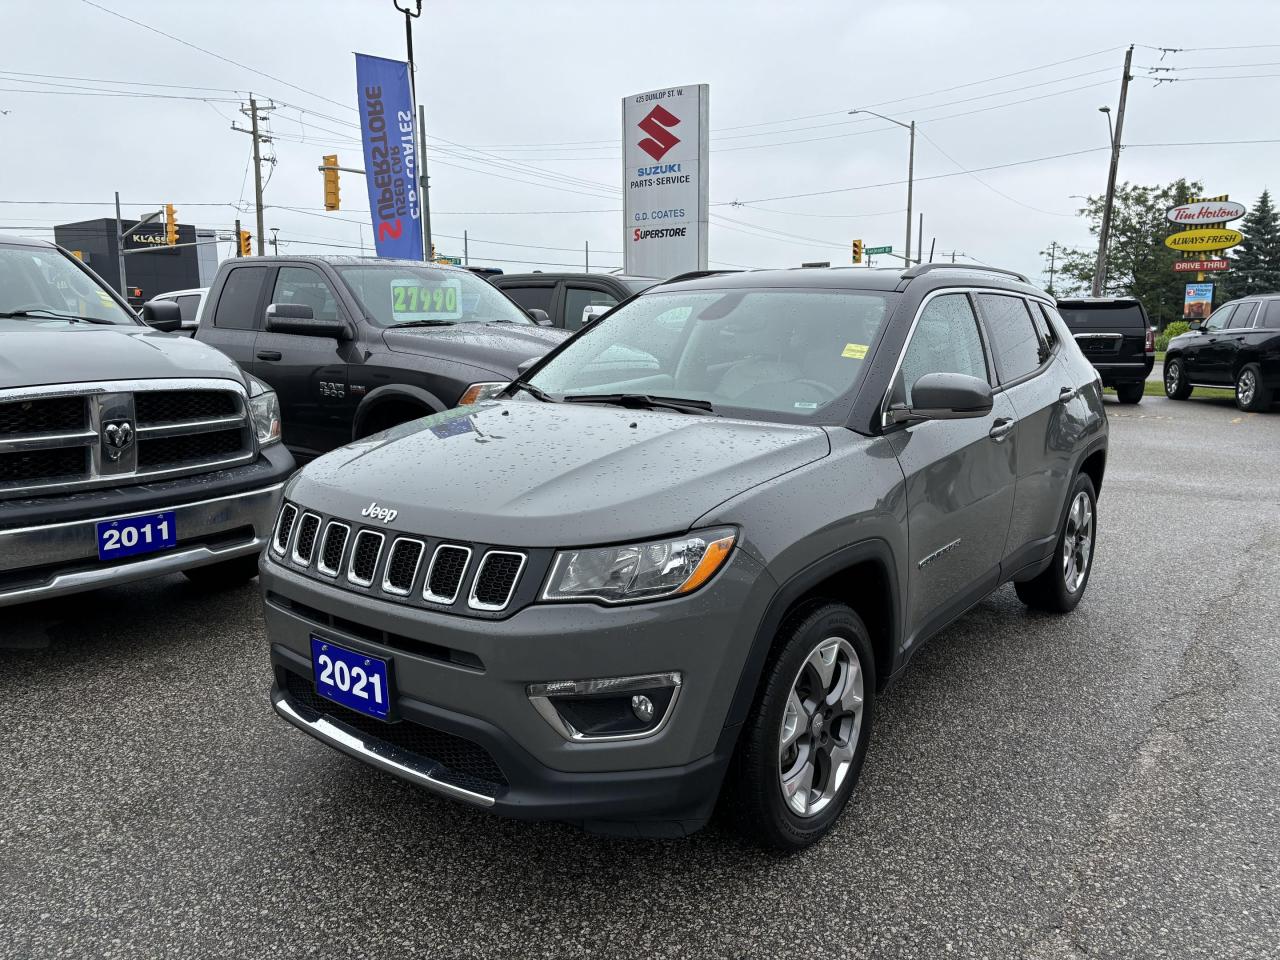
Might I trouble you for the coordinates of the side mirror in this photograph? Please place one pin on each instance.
(300, 319)
(945, 396)
(539, 316)
(590, 313)
(1195, 325)
(526, 366)
(163, 315)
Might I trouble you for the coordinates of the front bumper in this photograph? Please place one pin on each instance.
(52, 559)
(665, 784)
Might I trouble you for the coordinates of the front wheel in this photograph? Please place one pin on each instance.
(1059, 588)
(805, 739)
(1176, 386)
(1251, 395)
(225, 574)
(1129, 392)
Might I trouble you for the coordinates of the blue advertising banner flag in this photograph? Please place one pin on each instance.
(388, 129)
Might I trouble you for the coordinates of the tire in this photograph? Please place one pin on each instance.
(1059, 588)
(1129, 392)
(1251, 395)
(833, 747)
(1175, 380)
(224, 575)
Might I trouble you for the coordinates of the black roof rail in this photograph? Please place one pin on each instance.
(922, 269)
(695, 275)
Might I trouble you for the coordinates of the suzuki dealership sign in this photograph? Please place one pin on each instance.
(664, 181)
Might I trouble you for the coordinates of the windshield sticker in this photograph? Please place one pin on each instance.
(802, 405)
(106, 298)
(854, 351)
(417, 299)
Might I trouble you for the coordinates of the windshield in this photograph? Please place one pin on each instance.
(786, 354)
(43, 285)
(398, 294)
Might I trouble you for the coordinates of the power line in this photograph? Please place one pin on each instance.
(984, 183)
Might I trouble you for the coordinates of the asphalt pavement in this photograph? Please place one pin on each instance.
(1105, 784)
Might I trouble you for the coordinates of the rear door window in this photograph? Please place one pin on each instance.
(240, 298)
(1271, 319)
(1015, 341)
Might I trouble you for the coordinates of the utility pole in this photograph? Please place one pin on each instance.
(120, 248)
(424, 187)
(911, 172)
(275, 241)
(252, 112)
(466, 256)
(1053, 256)
(920, 242)
(412, 9)
(587, 256)
(1104, 231)
(932, 243)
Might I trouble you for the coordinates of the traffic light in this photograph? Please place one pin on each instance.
(246, 249)
(857, 251)
(331, 195)
(170, 224)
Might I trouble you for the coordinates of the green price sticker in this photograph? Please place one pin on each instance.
(426, 299)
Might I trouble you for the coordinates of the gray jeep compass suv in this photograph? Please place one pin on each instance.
(680, 557)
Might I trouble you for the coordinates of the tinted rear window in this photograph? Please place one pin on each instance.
(1101, 315)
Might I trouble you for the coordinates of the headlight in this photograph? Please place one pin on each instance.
(481, 391)
(265, 410)
(639, 571)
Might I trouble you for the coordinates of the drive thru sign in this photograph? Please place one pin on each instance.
(664, 181)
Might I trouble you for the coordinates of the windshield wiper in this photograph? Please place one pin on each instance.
(41, 313)
(424, 323)
(529, 388)
(643, 401)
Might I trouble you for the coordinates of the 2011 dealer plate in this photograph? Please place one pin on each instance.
(129, 536)
(352, 679)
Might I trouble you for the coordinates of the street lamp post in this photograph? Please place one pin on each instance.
(911, 169)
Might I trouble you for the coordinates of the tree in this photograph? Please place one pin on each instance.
(1256, 267)
(1138, 263)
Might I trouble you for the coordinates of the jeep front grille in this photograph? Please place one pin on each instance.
(417, 571)
(79, 436)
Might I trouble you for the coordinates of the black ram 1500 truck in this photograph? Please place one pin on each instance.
(126, 451)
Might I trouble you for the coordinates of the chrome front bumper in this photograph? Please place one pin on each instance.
(63, 557)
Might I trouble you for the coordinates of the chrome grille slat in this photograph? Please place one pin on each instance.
(497, 577)
(453, 556)
(304, 545)
(360, 557)
(284, 528)
(406, 552)
(330, 560)
(179, 427)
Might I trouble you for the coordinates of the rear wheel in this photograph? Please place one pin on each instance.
(224, 575)
(805, 739)
(1129, 392)
(1059, 588)
(1176, 386)
(1251, 395)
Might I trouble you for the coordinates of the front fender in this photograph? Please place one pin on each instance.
(395, 391)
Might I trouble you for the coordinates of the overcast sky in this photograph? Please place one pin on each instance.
(537, 87)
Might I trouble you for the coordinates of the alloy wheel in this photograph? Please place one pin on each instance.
(1246, 387)
(1172, 374)
(1077, 542)
(820, 725)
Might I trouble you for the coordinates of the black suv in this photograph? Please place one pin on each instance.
(353, 345)
(1116, 335)
(1238, 346)
(571, 300)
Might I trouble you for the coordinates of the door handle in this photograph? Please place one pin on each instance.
(1066, 394)
(268, 354)
(1000, 429)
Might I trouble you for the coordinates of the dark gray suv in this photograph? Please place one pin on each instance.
(681, 556)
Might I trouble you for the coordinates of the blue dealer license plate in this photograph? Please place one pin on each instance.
(133, 535)
(351, 679)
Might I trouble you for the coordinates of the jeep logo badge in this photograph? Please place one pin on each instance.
(117, 437)
(375, 512)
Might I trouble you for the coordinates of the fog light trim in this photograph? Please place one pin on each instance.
(541, 696)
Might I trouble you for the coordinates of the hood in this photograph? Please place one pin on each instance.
(500, 347)
(529, 474)
(87, 354)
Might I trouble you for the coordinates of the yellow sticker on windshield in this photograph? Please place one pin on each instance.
(854, 351)
(106, 298)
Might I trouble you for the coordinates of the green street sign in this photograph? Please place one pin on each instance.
(453, 261)
(872, 251)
